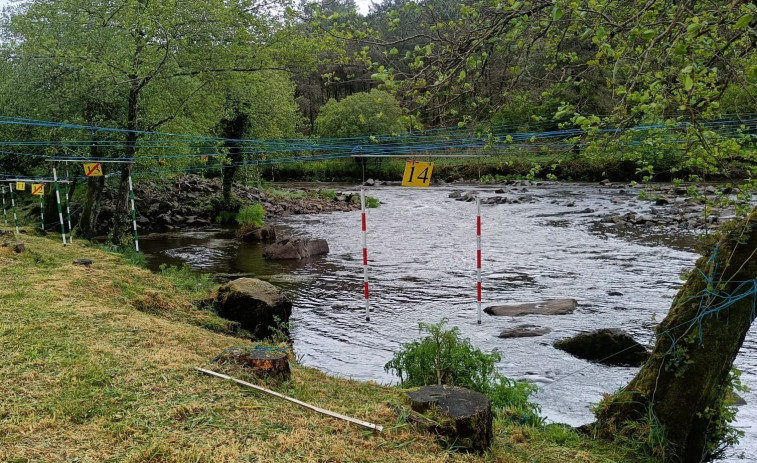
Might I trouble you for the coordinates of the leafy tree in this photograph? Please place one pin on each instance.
(361, 114)
(160, 61)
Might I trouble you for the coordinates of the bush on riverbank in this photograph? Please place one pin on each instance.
(442, 357)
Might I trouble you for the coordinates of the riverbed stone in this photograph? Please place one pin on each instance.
(259, 234)
(461, 416)
(548, 307)
(296, 248)
(254, 304)
(524, 331)
(609, 346)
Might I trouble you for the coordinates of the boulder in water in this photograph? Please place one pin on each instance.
(296, 248)
(525, 331)
(254, 304)
(548, 307)
(259, 234)
(610, 346)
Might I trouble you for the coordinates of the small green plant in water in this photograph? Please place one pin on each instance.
(328, 194)
(226, 217)
(251, 216)
(371, 202)
(443, 357)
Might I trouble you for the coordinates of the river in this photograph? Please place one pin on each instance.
(422, 268)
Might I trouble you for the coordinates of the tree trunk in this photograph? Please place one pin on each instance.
(91, 209)
(683, 385)
(121, 222)
(230, 171)
(233, 128)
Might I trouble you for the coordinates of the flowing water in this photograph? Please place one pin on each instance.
(422, 248)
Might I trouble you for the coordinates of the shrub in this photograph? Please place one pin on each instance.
(443, 357)
(328, 194)
(251, 216)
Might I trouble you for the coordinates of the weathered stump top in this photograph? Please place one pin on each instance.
(455, 402)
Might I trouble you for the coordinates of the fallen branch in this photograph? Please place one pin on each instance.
(366, 424)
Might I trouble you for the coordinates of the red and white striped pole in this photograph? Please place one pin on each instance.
(478, 254)
(365, 258)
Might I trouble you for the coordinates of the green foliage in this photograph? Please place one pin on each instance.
(226, 217)
(722, 415)
(442, 357)
(328, 194)
(185, 279)
(251, 216)
(280, 331)
(127, 251)
(361, 114)
(371, 202)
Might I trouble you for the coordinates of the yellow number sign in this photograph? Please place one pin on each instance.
(204, 159)
(93, 170)
(417, 174)
(38, 189)
(20, 186)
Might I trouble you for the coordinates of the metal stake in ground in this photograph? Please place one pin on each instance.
(365, 258)
(5, 213)
(60, 211)
(133, 215)
(478, 255)
(68, 209)
(13, 204)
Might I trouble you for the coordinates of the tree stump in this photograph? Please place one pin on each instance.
(17, 246)
(261, 362)
(463, 417)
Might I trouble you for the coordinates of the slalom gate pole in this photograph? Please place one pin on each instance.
(365, 258)
(42, 210)
(5, 213)
(13, 203)
(60, 211)
(478, 255)
(133, 214)
(68, 209)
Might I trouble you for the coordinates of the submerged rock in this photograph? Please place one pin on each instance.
(525, 331)
(610, 346)
(462, 416)
(257, 235)
(548, 307)
(254, 304)
(296, 248)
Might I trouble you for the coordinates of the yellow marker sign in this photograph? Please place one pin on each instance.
(204, 159)
(38, 189)
(20, 186)
(417, 174)
(93, 170)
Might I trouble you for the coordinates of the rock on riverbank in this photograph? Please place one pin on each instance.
(186, 203)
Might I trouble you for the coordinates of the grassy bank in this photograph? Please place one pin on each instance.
(98, 366)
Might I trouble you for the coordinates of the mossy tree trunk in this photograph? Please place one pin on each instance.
(91, 209)
(233, 128)
(683, 384)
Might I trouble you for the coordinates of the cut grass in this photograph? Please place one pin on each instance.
(87, 377)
